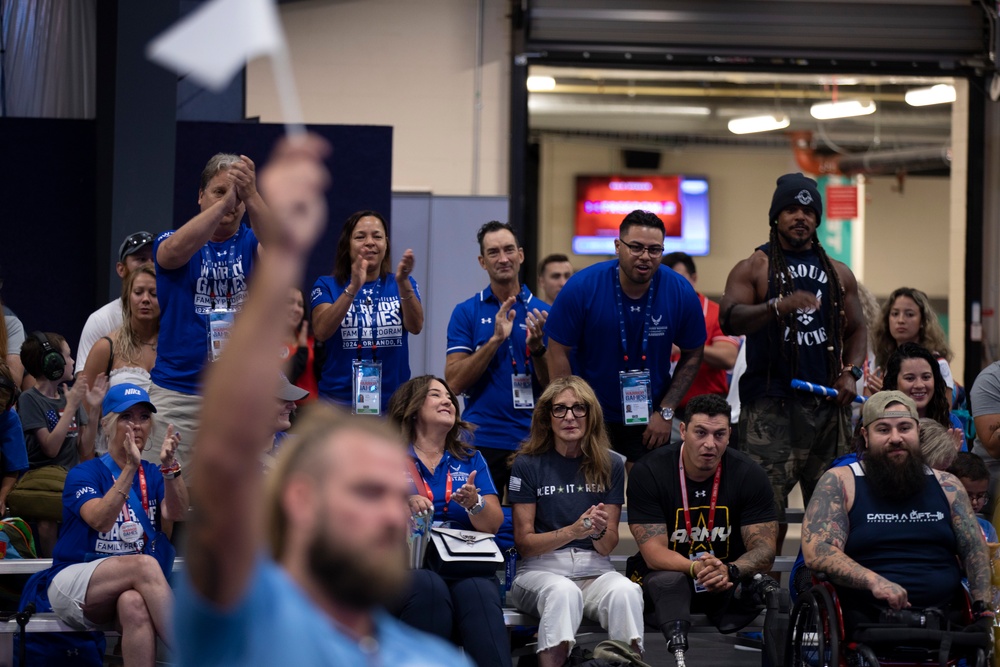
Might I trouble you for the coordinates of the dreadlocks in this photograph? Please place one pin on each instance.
(782, 282)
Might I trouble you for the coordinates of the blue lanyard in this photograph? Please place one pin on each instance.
(380, 284)
(621, 317)
(510, 341)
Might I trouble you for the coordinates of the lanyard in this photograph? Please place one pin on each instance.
(684, 497)
(510, 342)
(424, 489)
(380, 284)
(621, 317)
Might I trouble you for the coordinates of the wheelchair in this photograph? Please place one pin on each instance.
(907, 637)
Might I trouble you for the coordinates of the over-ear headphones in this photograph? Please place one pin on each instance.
(7, 385)
(53, 363)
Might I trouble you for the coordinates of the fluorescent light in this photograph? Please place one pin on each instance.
(939, 94)
(842, 109)
(541, 84)
(752, 124)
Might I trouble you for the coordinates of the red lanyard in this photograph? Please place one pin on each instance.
(424, 489)
(142, 487)
(684, 497)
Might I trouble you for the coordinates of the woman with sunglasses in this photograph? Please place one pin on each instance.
(567, 489)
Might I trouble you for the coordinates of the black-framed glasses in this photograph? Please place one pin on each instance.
(979, 497)
(636, 249)
(578, 409)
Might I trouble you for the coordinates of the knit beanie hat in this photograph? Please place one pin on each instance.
(795, 190)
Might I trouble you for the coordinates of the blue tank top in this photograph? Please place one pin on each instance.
(769, 372)
(908, 541)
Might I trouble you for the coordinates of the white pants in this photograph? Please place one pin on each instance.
(543, 587)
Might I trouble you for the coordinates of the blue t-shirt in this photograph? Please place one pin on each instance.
(489, 402)
(216, 275)
(277, 624)
(989, 532)
(87, 481)
(459, 471)
(586, 317)
(13, 452)
(378, 304)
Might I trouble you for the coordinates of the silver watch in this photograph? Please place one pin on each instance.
(478, 507)
(667, 414)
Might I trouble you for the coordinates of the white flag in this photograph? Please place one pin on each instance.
(213, 42)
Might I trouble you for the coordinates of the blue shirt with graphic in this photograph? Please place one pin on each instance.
(586, 317)
(277, 624)
(489, 402)
(78, 542)
(459, 471)
(376, 310)
(216, 276)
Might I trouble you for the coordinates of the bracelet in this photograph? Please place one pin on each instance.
(405, 298)
(774, 304)
(600, 534)
(124, 495)
(171, 473)
(348, 293)
(691, 569)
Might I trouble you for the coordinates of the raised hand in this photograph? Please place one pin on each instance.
(505, 319)
(95, 394)
(535, 320)
(76, 394)
(359, 273)
(133, 450)
(295, 180)
(468, 494)
(244, 178)
(168, 450)
(405, 267)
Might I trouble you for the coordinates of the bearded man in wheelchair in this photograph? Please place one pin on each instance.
(894, 540)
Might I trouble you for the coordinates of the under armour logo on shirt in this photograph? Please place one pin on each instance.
(486, 320)
(368, 291)
(635, 309)
(700, 494)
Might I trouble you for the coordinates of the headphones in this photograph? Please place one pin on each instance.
(7, 385)
(53, 363)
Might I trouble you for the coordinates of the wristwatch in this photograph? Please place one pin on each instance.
(667, 414)
(734, 573)
(855, 371)
(478, 507)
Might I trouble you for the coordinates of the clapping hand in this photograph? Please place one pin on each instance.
(505, 319)
(168, 450)
(133, 450)
(94, 395)
(468, 495)
(535, 320)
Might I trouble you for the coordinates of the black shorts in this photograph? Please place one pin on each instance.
(627, 440)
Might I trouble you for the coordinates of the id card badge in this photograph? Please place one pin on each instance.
(524, 395)
(698, 588)
(367, 376)
(635, 397)
(220, 324)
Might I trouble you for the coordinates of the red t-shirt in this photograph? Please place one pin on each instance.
(710, 380)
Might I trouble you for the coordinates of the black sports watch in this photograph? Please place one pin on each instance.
(855, 371)
(734, 573)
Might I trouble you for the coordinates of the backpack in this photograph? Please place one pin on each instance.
(16, 533)
(54, 649)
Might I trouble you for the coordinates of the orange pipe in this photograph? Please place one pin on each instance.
(807, 158)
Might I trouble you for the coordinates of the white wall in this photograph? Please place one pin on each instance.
(906, 233)
(409, 64)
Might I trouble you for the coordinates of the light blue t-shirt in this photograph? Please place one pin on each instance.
(276, 624)
(586, 317)
(489, 402)
(216, 275)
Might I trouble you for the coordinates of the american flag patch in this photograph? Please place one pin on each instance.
(52, 418)
(515, 484)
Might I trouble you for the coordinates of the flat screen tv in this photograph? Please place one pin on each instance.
(681, 201)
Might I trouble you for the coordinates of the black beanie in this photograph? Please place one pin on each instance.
(795, 190)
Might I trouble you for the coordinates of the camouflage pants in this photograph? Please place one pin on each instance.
(794, 440)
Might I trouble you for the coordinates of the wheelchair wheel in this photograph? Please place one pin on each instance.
(813, 633)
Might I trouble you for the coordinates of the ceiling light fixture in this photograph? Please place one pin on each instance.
(842, 109)
(541, 84)
(922, 97)
(751, 124)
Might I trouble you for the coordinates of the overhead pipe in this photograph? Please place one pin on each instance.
(880, 162)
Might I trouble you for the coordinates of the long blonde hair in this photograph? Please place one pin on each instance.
(596, 447)
(931, 335)
(128, 347)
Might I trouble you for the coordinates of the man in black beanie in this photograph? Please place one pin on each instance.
(802, 319)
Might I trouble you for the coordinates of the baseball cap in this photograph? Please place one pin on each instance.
(133, 243)
(123, 396)
(875, 408)
(288, 391)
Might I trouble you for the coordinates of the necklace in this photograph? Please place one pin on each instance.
(152, 345)
(433, 455)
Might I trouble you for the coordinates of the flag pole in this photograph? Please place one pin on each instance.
(288, 94)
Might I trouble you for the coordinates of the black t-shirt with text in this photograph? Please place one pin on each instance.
(745, 498)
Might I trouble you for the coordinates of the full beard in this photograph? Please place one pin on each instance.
(888, 479)
(358, 578)
(794, 242)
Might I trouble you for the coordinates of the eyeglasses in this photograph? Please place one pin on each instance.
(578, 409)
(636, 249)
(978, 497)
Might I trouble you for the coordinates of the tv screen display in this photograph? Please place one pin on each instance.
(680, 201)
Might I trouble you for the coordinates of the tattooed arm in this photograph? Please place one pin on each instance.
(824, 534)
(972, 548)
(761, 540)
(654, 545)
